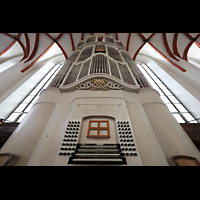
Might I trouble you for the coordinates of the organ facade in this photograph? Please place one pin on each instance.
(99, 110)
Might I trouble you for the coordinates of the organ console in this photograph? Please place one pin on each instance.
(98, 153)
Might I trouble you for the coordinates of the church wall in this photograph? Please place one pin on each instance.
(26, 136)
(171, 136)
(157, 135)
(49, 143)
(103, 105)
(150, 150)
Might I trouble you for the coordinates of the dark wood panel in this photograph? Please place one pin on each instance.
(193, 131)
(6, 129)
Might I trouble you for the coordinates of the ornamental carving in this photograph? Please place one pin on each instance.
(99, 84)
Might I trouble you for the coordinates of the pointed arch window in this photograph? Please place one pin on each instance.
(175, 106)
(22, 109)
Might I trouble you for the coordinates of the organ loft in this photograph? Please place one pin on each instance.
(99, 110)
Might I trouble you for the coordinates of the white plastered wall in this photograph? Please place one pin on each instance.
(157, 135)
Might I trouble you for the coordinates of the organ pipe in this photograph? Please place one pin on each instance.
(107, 60)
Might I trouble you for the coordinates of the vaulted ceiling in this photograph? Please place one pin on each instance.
(30, 48)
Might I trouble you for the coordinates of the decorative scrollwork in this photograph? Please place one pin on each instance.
(99, 84)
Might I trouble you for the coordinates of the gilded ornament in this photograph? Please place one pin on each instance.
(99, 84)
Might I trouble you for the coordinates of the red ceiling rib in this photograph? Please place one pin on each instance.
(49, 36)
(4, 51)
(197, 35)
(72, 41)
(175, 50)
(197, 43)
(18, 35)
(29, 66)
(22, 46)
(65, 54)
(171, 62)
(167, 47)
(190, 44)
(116, 36)
(8, 35)
(128, 41)
(187, 47)
(189, 36)
(24, 50)
(59, 36)
(171, 53)
(166, 58)
(142, 36)
(186, 50)
(27, 43)
(35, 48)
(151, 35)
(136, 53)
(63, 51)
(82, 35)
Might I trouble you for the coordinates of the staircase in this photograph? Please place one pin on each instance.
(97, 154)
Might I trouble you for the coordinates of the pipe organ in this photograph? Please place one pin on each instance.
(101, 58)
(99, 110)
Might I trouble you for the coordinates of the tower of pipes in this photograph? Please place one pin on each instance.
(99, 110)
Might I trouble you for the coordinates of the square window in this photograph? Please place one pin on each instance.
(94, 124)
(162, 86)
(103, 124)
(98, 129)
(39, 86)
(188, 116)
(21, 107)
(35, 99)
(28, 108)
(13, 116)
(167, 92)
(173, 99)
(22, 117)
(181, 108)
(35, 91)
(93, 132)
(103, 132)
(160, 92)
(178, 118)
(45, 85)
(171, 107)
(28, 99)
(165, 99)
